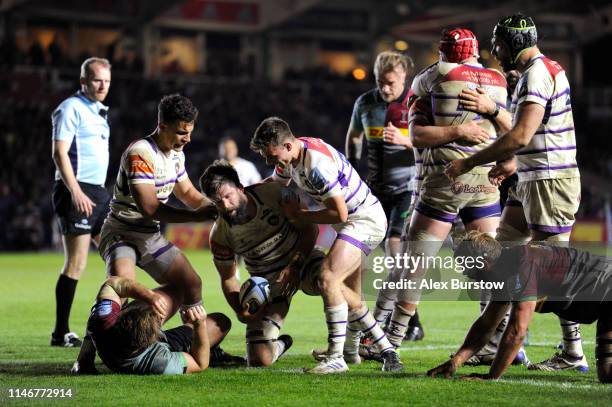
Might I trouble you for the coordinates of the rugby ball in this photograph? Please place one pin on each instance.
(255, 293)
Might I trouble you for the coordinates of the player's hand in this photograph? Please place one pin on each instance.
(446, 370)
(501, 171)
(456, 168)
(477, 101)
(159, 304)
(393, 135)
(477, 377)
(82, 202)
(291, 209)
(78, 369)
(194, 315)
(471, 133)
(288, 281)
(245, 316)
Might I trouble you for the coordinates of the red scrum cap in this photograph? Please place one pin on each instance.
(458, 44)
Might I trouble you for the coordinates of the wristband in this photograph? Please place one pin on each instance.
(496, 112)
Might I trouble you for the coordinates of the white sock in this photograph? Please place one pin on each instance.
(399, 325)
(572, 340)
(278, 349)
(371, 329)
(383, 308)
(353, 334)
(336, 318)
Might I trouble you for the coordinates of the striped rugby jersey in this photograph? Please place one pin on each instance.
(441, 83)
(390, 166)
(144, 163)
(266, 242)
(551, 153)
(323, 172)
(420, 110)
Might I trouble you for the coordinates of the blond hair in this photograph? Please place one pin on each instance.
(476, 243)
(86, 71)
(388, 60)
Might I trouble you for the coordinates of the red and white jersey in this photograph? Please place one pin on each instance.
(323, 172)
(442, 83)
(551, 153)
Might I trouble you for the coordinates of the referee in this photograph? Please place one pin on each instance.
(80, 201)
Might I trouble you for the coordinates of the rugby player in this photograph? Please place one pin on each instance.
(542, 206)
(129, 338)
(151, 169)
(251, 224)
(537, 278)
(359, 220)
(381, 115)
(445, 129)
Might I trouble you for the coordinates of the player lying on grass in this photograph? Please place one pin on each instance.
(537, 278)
(252, 224)
(129, 336)
(360, 223)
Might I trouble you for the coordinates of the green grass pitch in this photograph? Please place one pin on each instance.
(27, 360)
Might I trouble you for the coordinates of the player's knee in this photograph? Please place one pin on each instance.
(258, 359)
(507, 233)
(74, 267)
(327, 279)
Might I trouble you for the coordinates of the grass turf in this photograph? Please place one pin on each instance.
(27, 361)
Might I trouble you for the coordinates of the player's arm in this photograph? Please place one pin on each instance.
(60, 156)
(189, 195)
(229, 284)
(513, 337)
(424, 134)
(198, 358)
(145, 197)
(119, 288)
(335, 211)
(479, 334)
(528, 119)
(354, 145)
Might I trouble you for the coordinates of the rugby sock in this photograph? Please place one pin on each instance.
(351, 345)
(64, 295)
(278, 349)
(336, 318)
(572, 340)
(370, 328)
(383, 308)
(398, 325)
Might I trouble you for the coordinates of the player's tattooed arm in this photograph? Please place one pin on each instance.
(513, 337)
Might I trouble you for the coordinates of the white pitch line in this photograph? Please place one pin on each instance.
(545, 383)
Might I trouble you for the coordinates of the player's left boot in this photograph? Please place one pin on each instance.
(349, 358)
(69, 340)
(413, 334)
(562, 361)
(391, 361)
(329, 365)
(220, 358)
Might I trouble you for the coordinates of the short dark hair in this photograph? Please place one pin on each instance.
(174, 108)
(272, 131)
(136, 328)
(218, 173)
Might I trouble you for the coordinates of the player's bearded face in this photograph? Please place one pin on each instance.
(391, 84)
(232, 203)
(96, 86)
